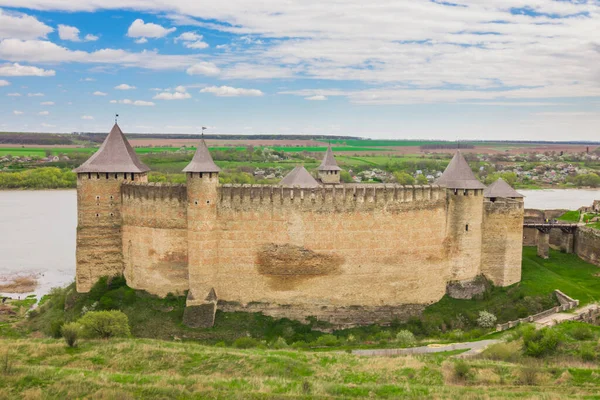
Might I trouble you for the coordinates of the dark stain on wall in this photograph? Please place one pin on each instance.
(287, 265)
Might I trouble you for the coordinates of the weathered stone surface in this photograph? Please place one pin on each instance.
(200, 316)
(467, 289)
(543, 245)
(587, 244)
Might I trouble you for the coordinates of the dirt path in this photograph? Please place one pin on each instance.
(557, 318)
(474, 348)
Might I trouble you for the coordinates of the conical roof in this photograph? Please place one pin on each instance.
(329, 163)
(458, 175)
(299, 177)
(115, 155)
(501, 188)
(202, 160)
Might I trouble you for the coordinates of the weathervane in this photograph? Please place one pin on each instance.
(203, 128)
(116, 118)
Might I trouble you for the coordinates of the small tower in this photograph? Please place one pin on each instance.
(329, 172)
(99, 180)
(502, 242)
(464, 195)
(202, 176)
(299, 177)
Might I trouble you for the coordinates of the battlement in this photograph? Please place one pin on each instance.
(153, 191)
(346, 196)
(500, 203)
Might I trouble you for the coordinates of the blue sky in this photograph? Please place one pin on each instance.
(468, 69)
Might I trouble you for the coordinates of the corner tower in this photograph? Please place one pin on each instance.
(464, 197)
(502, 242)
(202, 176)
(99, 180)
(329, 172)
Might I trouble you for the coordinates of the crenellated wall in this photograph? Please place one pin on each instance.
(502, 240)
(154, 237)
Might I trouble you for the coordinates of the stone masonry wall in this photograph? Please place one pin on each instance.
(502, 248)
(341, 246)
(155, 248)
(98, 251)
(587, 244)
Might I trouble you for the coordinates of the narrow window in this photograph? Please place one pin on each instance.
(107, 175)
(112, 215)
(200, 174)
(89, 175)
(97, 176)
(111, 197)
(467, 227)
(196, 202)
(131, 176)
(97, 215)
(97, 197)
(207, 201)
(455, 191)
(116, 176)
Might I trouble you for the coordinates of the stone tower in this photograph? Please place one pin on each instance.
(464, 194)
(502, 242)
(202, 176)
(329, 172)
(99, 179)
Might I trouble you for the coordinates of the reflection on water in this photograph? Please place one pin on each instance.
(37, 236)
(38, 228)
(549, 199)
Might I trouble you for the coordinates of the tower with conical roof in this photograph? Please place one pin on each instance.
(99, 180)
(329, 171)
(464, 194)
(299, 177)
(202, 177)
(502, 242)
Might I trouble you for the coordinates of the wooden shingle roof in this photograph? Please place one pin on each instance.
(329, 163)
(299, 177)
(458, 175)
(501, 188)
(202, 160)
(114, 155)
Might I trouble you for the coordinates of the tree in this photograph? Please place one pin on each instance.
(422, 179)
(403, 178)
(591, 180)
(105, 324)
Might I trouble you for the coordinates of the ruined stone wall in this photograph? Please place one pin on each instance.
(364, 246)
(587, 244)
(98, 251)
(155, 248)
(463, 232)
(502, 241)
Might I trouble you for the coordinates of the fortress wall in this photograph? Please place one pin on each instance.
(587, 244)
(372, 246)
(155, 237)
(502, 241)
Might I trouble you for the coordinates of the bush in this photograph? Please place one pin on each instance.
(509, 352)
(529, 374)
(56, 328)
(587, 352)
(245, 343)
(105, 324)
(405, 338)
(539, 343)
(280, 343)
(327, 340)
(581, 332)
(486, 320)
(461, 370)
(70, 332)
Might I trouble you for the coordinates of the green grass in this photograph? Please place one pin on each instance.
(570, 216)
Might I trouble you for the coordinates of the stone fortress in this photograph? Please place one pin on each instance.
(348, 254)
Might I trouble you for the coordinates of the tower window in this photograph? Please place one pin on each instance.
(97, 215)
(455, 191)
(107, 175)
(97, 176)
(467, 228)
(196, 202)
(116, 176)
(132, 176)
(112, 215)
(207, 201)
(89, 175)
(200, 174)
(97, 197)
(111, 197)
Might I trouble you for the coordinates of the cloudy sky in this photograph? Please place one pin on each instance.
(466, 69)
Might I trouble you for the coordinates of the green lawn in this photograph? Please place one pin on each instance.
(570, 216)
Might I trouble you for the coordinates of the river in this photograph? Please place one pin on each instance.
(38, 228)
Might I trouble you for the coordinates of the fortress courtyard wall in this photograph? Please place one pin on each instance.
(315, 250)
(154, 237)
(502, 241)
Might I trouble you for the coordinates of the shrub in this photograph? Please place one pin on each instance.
(56, 327)
(539, 343)
(486, 320)
(528, 375)
(587, 352)
(105, 324)
(405, 338)
(509, 352)
(280, 343)
(70, 332)
(245, 343)
(327, 340)
(461, 370)
(581, 332)
(300, 345)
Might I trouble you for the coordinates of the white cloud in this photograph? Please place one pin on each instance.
(192, 40)
(21, 26)
(48, 125)
(17, 69)
(203, 68)
(89, 80)
(90, 38)
(180, 88)
(35, 94)
(4, 82)
(141, 103)
(150, 30)
(141, 40)
(44, 113)
(14, 94)
(98, 93)
(47, 103)
(172, 96)
(88, 117)
(124, 86)
(70, 33)
(317, 97)
(228, 91)
(16, 112)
